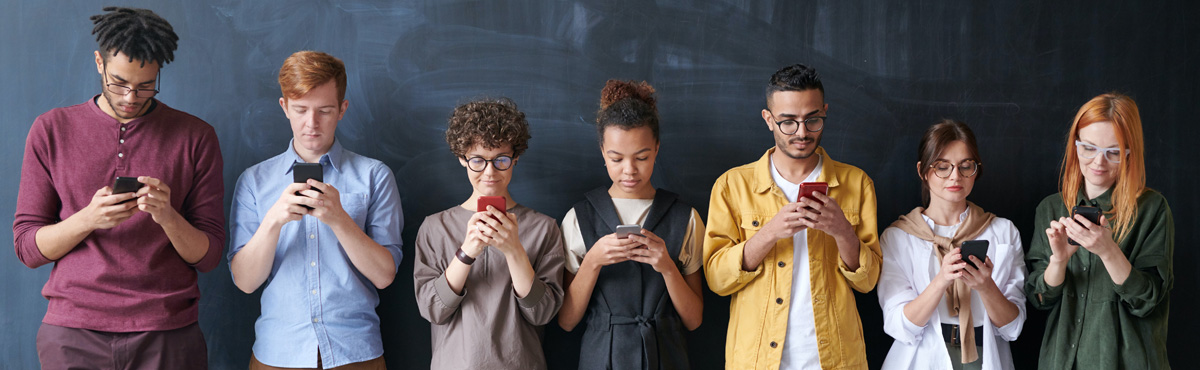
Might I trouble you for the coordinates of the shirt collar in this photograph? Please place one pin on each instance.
(961, 217)
(333, 158)
(1104, 201)
(763, 180)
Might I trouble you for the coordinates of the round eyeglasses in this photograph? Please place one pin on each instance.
(966, 168)
(791, 126)
(500, 163)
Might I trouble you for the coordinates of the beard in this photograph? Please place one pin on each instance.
(784, 146)
(116, 108)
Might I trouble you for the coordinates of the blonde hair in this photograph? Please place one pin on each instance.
(1122, 112)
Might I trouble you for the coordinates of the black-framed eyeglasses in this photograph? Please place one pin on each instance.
(791, 126)
(123, 90)
(966, 168)
(500, 163)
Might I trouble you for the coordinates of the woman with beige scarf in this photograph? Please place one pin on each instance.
(927, 290)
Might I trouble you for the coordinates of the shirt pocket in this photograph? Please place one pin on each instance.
(852, 215)
(752, 223)
(355, 205)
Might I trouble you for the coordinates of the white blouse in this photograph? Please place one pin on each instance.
(906, 273)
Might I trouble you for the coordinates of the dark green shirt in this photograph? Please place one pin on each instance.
(1094, 323)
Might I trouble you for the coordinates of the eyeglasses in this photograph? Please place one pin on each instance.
(478, 164)
(123, 90)
(1089, 151)
(791, 126)
(966, 168)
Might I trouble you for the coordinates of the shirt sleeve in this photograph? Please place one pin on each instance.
(385, 217)
(1042, 296)
(1013, 287)
(689, 255)
(546, 294)
(244, 219)
(204, 206)
(724, 245)
(1150, 277)
(897, 289)
(869, 255)
(38, 203)
(436, 302)
(573, 243)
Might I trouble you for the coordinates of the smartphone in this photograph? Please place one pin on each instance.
(624, 231)
(1090, 213)
(977, 248)
(126, 185)
(808, 188)
(485, 201)
(301, 172)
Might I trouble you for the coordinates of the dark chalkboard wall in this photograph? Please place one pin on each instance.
(1016, 71)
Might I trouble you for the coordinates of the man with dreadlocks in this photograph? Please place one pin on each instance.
(123, 287)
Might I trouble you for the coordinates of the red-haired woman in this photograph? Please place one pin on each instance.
(1106, 284)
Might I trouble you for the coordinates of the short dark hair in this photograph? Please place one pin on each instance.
(138, 33)
(796, 77)
(488, 122)
(935, 141)
(627, 105)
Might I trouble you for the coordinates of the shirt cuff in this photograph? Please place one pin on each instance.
(445, 294)
(536, 291)
(1134, 284)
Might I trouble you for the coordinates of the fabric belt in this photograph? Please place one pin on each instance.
(952, 335)
(647, 331)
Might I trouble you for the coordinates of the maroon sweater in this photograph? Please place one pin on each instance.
(128, 278)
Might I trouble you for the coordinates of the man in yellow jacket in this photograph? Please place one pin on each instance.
(789, 264)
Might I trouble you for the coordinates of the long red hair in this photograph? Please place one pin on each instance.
(1122, 112)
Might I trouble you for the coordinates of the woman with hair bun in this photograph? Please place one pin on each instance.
(637, 292)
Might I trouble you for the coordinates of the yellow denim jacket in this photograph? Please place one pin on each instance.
(743, 200)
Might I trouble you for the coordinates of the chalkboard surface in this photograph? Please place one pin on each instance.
(1016, 71)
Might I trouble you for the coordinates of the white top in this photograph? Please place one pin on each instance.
(800, 344)
(634, 211)
(907, 272)
(935, 266)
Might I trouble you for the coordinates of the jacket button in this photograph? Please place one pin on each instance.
(773, 344)
(779, 300)
(755, 223)
(781, 264)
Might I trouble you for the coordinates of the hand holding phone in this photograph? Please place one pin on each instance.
(977, 248)
(302, 172)
(808, 188)
(124, 184)
(484, 201)
(1090, 213)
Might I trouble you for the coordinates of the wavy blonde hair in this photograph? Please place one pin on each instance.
(1122, 112)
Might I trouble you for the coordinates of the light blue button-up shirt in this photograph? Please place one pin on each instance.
(314, 297)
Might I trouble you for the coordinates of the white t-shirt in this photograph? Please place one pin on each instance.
(800, 344)
(634, 211)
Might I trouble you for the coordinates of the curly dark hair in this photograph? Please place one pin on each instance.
(796, 77)
(138, 33)
(488, 122)
(627, 105)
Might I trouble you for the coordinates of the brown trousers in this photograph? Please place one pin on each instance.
(71, 348)
(376, 364)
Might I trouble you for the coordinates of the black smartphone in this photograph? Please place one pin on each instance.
(301, 172)
(1090, 213)
(126, 185)
(977, 248)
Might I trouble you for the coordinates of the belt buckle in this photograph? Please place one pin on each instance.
(955, 335)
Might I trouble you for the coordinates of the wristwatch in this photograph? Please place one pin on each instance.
(463, 257)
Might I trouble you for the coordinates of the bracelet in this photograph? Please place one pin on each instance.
(463, 257)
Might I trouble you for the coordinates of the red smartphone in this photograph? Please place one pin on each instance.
(808, 188)
(486, 201)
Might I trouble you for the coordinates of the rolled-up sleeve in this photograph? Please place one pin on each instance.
(385, 214)
(546, 294)
(204, 206)
(1150, 277)
(896, 288)
(866, 276)
(1014, 286)
(435, 301)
